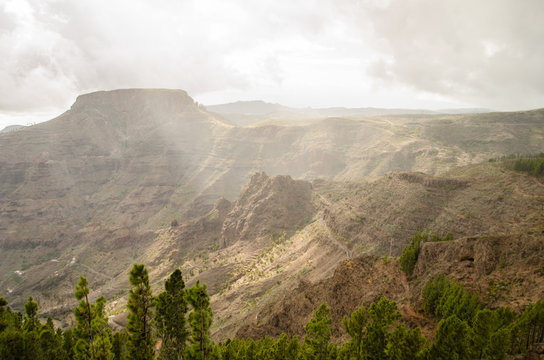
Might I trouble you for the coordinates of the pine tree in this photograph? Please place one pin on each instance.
(280, 347)
(382, 316)
(119, 345)
(12, 345)
(294, 348)
(31, 328)
(250, 350)
(31, 322)
(170, 317)
(102, 339)
(265, 349)
(499, 345)
(405, 344)
(3, 314)
(231, 348)
(51, 343)
(11, 336)
(68, 344)
(410, 253)
(333, 352)
(140, 303)
(485, 323)
(452, 340)
(432, 293)
(355, 327)
(84, 347)
(318, 334)
(200, 320)
(528, 328)
(91, 334)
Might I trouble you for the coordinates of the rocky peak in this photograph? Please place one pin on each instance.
(268, 206)
(222, 207)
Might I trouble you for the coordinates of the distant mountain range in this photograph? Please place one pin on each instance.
(250, 112)
(11, 128)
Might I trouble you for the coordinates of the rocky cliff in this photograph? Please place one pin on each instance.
(268, 206)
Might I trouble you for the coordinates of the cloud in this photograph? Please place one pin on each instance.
(486, 52)
(61, 48)
(57, 49)
(421, 53)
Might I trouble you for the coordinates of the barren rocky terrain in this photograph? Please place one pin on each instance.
(283, 209)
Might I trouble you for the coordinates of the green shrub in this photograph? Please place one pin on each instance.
(530, 164)
(443, 297)
(410, 252)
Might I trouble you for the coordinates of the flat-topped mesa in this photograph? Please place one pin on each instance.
(268, 206)
(130, 100)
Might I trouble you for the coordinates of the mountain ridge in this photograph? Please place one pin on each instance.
(104, 185)
(250, 112)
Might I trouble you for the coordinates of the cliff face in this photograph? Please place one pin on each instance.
(268, 206)
(505, 270)
(151, 102)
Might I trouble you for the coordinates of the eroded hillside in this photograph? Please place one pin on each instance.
(147, 176)
(140, 158)
(502, 270)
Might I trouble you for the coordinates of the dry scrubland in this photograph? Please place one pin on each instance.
(146, 176)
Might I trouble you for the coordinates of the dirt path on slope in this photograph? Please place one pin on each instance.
(408, 308)
(324, 200)
(330, 234)
(333, 238)
(93, 270)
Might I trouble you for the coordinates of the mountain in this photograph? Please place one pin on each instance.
(147, 175)
(295, 244)
(244, 113)
(139, 158)
(464, 111)
(255, 107)
(11, 128)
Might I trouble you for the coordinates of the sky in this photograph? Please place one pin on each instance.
(319, 53)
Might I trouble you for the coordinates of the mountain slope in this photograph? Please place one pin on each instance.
(140, 158)
(97, 189)
(281, 234)
(485, 265)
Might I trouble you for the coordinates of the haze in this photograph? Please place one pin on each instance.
(416, 54)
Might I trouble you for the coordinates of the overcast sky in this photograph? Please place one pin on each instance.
(319, 53)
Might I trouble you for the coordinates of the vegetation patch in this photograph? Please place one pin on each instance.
(529, 164)
(410, 253)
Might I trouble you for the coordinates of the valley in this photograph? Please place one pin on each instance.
(275, 216)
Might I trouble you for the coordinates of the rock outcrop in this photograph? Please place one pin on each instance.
(268, 206)
(505, 270)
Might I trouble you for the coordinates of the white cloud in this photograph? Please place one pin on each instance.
(420, 53)
(486, 52)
